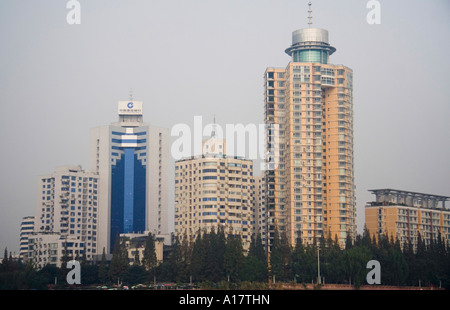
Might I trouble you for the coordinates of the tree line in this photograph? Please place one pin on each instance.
(401, 265)
(17, 275)
(218, 260)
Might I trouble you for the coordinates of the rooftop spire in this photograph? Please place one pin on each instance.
(131, 94)
(213, 134)
(309, 16)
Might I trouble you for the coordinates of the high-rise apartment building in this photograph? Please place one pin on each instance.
(311, 192)
(132, 160)
(214, 191)
(67, 208)
(403, 215)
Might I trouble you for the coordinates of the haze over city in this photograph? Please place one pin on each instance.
(202, 58)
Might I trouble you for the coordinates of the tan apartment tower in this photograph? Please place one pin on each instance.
(311, 190)
(214, 191)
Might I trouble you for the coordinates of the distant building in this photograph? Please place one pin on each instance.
(26, 229)
(136, 243)
(132, 160)
(403, 215)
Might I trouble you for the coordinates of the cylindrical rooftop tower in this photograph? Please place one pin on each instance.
(310, 45)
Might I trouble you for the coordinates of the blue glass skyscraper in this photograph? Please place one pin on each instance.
(132, 159)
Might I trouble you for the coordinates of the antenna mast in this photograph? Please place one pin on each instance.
(213, 134)
(309, 16)
(131, 94)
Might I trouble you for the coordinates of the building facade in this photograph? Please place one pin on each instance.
(214, 191)
(67, 208)
(311, 192)
(26, 229)
(47, 248)
(131, 158)
(135, 246)
(403, 215)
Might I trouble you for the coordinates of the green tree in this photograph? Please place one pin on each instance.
(398, 265)
(253, 270)
(233, 258)
(257, 249)
(89, 274)
(348, 241)
(31, 279)
(135, 274)
(5, 259)
(286, 258)
(332, 261)
(356, 261)
(175, 260)
(51, 274)
(276, 256)
(184, 272)
(119, 262)
(198, 257)
(179, 260)
(255, 265)
(137, 260)
(215, 246)
(366, 240)
(103, 269)
(149, 260)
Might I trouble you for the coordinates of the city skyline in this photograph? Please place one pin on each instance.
(208, 59)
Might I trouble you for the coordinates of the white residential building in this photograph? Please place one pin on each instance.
(67, 208)
(26, 229)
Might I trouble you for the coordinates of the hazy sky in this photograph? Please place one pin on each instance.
(203, 57)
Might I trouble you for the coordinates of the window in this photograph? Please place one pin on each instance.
(209, 170)
(233, 165)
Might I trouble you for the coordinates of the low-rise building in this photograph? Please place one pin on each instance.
(404, 215)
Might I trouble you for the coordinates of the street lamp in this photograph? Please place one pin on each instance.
(318, 266)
